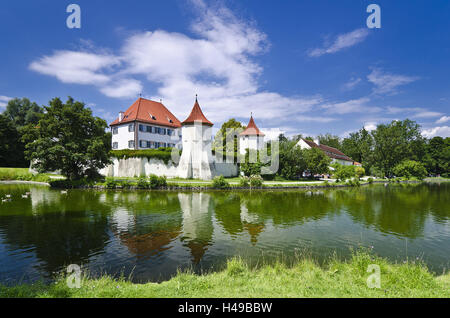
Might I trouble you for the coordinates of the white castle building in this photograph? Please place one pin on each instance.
(145, 125)
(150, 125)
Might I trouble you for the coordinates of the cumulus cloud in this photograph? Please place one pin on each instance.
(4, 100)
(443, 120)
(217, 64)
(369, 126)
(443, 131)
(341, 42)
(387, 83)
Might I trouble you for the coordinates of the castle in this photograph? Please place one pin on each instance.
(150, 125)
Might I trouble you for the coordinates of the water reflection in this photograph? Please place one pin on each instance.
(154, 233)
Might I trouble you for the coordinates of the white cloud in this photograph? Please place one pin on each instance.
(369, 126)
(342, 41)
(351, 84)
(4, 100)
(76, 67)
(316, 119)
(443, 120)
(352, 106)
(386, 83)
(216, 64)
(443, 131)
(414, 112)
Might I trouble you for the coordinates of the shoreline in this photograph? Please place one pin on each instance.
(171, 188)
(305, 278)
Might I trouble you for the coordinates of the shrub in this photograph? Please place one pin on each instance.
(157, 182)
(220, 183)
(256, 181)
(142, 183)
(409, 169)
(360, 172)
(353, 183)
(111, 183)
(244, 182)
(164, 154)
(370, 180)
(343, 173)
(69, 184)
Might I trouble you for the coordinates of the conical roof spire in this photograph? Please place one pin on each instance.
(252, 129)
(197, 116)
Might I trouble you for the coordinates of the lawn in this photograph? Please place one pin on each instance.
(304, 279)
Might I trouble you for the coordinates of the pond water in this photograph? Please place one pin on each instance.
(152, 234)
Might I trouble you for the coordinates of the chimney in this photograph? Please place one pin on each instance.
(317, 142)
(120, 116)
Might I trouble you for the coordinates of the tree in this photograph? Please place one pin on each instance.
(317, 162)
(11, 149)
(251, 168)
(410, 168)
(358, 146)
(342, 173)
(226, 137)
(396, 142)
(68, 138)
(437, 158)
(330, 140)
(23, 112)
(291, 160)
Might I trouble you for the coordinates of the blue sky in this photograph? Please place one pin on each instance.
(305, 67)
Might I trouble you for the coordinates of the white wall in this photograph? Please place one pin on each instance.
(132, 167)
(250, 142)
(124, 136)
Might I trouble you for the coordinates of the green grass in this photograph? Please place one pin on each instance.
(22, 174)
(304, 279)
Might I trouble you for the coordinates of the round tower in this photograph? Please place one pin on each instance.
(196, 159)
(251, 138)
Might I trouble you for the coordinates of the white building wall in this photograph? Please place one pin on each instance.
(250, 142)
(124, 136)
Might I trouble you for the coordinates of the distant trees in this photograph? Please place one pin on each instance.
(68, 138)
(226, 137)
(317, 162)
(330, 140)
(18, 114)
(11, 148)
(437, 158)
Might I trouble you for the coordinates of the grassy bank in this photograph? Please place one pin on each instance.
(304, 279)
(22, 174)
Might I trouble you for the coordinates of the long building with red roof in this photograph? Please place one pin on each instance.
(146, 124)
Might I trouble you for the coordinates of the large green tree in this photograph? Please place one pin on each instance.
(358, 146)
(291, 160)
(68, 138)
(396, 142)
(437, 158)
(11, 148)
(21, 111)
(317, 162)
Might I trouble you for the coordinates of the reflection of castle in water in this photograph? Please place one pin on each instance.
(198, 227)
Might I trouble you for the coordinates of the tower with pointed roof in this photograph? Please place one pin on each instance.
(251, 138)
(196, 159)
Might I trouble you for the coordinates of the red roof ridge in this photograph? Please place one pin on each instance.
(197, 116)
(252, 129)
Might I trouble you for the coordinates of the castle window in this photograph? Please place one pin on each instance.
(131, 128)
(115, 145)
(115, 130)
(131, 144)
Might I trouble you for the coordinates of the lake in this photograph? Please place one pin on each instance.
(148, 235)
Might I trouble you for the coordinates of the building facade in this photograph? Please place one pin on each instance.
(146, 125)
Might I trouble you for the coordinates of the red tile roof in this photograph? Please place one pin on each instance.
(252, 129)
(197, 116)
(148, 111)
(329, 151)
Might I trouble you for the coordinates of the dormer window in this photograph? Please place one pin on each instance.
(151, 116)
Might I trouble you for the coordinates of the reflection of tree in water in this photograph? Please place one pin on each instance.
(399, 209)
(234, 216)
(61, 229)
(146, 222)
(287, 208)
(197, 223)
